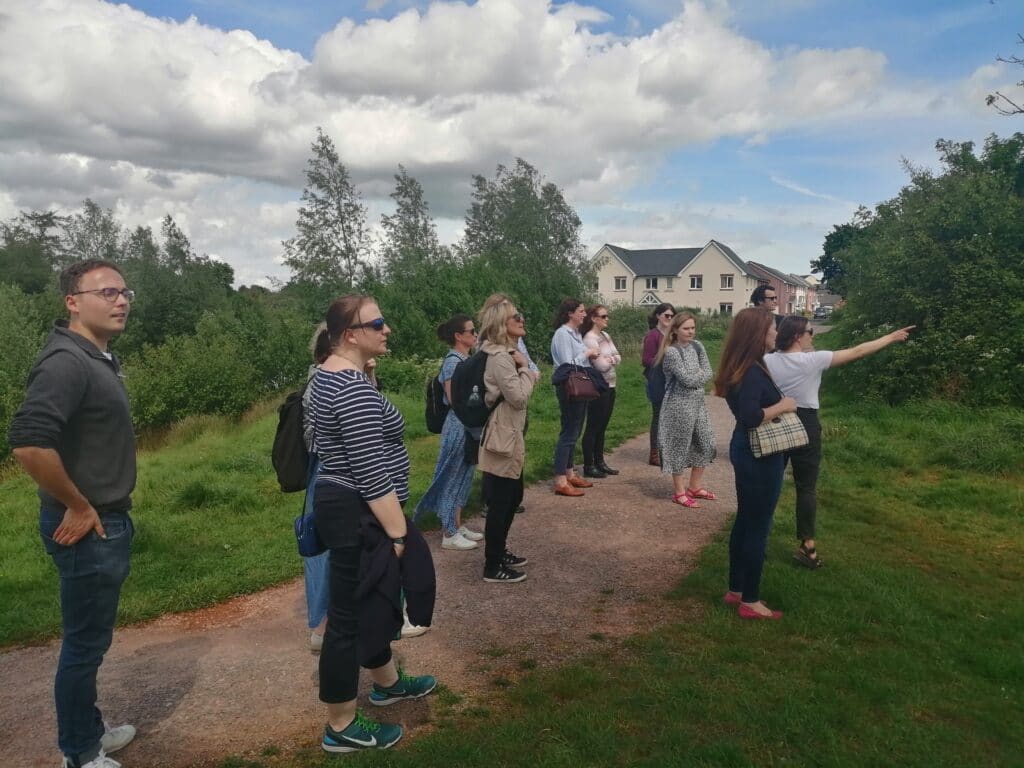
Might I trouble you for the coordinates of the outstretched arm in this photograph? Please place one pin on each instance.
(844, 356)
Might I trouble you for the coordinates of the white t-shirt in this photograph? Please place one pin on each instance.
(798, 374)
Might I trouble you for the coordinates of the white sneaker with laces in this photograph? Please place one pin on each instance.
(116, 738)
(471, 535)
(316, 642)
(412, 630)
(457, 541)
(100, 761)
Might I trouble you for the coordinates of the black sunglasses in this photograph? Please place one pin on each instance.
(469, 330)
(602, 317)
(377, 325)
(809, 331)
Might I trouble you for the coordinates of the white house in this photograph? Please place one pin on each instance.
(712, 279)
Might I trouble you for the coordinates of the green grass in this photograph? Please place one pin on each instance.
(211, 522)
(903, 650)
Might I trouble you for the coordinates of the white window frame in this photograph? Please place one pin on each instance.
(620, 282)
(727, 282)
(668, 283)
(650, 284)
(696, 282)
(722, 308)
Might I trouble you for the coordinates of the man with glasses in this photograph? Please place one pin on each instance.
(73, 434)
(766, 297)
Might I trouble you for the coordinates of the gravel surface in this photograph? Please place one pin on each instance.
(238, 676)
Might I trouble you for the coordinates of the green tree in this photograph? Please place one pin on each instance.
(29, 250)
(409, 241)
(332, 244)
(947, 255)
(93, 233)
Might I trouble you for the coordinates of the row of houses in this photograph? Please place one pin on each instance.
(712, 279)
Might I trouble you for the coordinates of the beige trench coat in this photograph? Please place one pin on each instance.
(502, 448)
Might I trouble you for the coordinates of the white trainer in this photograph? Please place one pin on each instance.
(471, 535)
(412, 630)
(100, 761)
(116, 738)
(457, 541)
(316, 642)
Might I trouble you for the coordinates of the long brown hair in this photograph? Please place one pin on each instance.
(670, 338)
(588, 321)
(744, 347)
(791, 329)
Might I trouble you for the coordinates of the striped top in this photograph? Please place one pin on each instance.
(357, 434)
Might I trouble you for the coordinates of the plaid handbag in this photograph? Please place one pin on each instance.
(783, 433)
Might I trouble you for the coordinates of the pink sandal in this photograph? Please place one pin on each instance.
(701, 493)
(683, 499)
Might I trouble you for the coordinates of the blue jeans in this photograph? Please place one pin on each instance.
(573, 413)
(91, 573)
(758, 484)
(316, 570)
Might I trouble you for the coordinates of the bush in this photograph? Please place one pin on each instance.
(22, 333)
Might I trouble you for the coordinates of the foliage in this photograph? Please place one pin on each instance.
(1003, 104)
(333, 243)
(409, 240)
(946, 255)
(23, 323)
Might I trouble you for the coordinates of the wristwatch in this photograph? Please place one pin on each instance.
(399, 540)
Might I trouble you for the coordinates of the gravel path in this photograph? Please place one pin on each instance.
(236, 677)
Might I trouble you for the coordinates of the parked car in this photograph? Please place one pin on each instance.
(820, 313)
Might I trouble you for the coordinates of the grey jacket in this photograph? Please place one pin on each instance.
(76, 404)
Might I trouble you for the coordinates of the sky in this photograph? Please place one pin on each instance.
(759, 123)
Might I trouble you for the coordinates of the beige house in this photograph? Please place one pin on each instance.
(712, 279)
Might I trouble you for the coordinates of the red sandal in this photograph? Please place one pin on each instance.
(701, 493)
(684, 500)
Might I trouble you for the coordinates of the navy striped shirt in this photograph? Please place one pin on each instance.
(357, 434)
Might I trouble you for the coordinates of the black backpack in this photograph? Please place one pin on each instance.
(289, 455)
(467, 384)
(436, 409)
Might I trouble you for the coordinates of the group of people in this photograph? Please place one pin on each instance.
(73, 435)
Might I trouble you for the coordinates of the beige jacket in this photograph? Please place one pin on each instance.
(502, 448)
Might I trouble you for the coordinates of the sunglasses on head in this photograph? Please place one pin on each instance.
(377, 325)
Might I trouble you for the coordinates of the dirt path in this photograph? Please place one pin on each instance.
(236, 677)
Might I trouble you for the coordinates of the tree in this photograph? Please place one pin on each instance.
(1003, 103)
(92, 234)
(831, 263)
(333, 242)
(29, 250)
(410, 235)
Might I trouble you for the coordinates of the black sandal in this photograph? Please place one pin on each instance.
(807, 557)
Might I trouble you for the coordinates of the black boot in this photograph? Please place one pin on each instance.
(606, 469)
(591, 471)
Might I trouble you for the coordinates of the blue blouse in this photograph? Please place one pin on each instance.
(567, 347)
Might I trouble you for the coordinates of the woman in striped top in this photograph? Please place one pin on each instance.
(364, 468)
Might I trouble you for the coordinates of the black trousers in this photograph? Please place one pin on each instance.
(806, 465)
(337, 521)
(599, 413)
(502, 495)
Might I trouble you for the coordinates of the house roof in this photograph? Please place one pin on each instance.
(800, 282)
(654, 262)
(790, 279)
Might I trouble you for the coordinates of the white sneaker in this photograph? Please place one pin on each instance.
(412, 630)
(117, 738)
(471, 535)
(457, 541)
(316, 642)
(100, 761)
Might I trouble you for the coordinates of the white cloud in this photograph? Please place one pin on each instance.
(155, 116)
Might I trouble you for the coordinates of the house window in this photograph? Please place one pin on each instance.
(595, 286)
(696, 282)
(725, 309)
(726, 282)
(651, 284)
(668, 283)
(620, 283)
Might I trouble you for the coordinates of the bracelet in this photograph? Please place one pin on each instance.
(399, 540)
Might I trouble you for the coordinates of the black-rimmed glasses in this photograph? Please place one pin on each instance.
(377, 325)
(110, 294)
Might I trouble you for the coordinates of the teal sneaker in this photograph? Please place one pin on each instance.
(407, 687)
(362, 733)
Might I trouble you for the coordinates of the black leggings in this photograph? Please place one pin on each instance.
(502, 495)
(337, 521)
(599, 413)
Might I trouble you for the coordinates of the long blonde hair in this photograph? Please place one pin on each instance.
(670, 338)
(493, 320)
